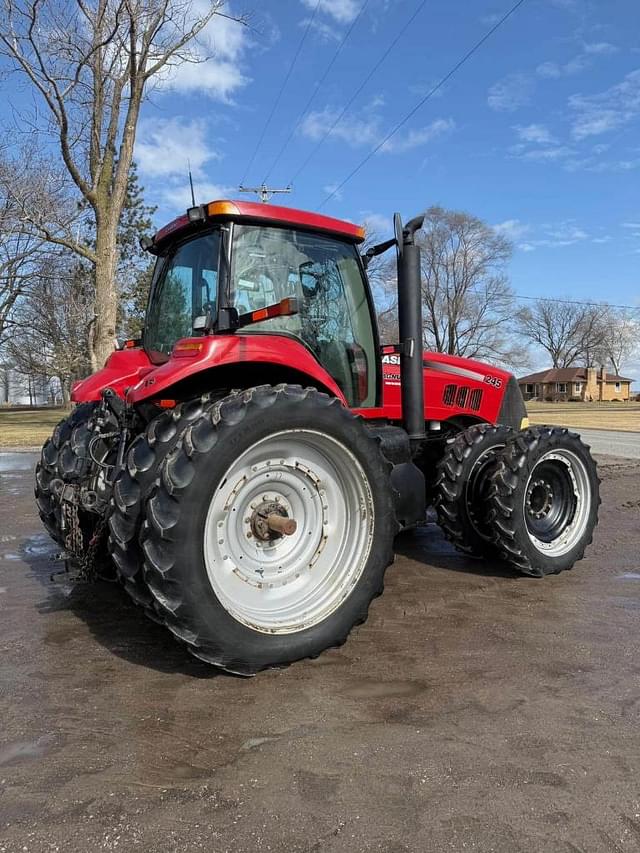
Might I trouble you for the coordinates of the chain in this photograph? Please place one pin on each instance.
(84, 559)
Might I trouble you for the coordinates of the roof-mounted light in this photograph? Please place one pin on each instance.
(197, 213)
(222, 208)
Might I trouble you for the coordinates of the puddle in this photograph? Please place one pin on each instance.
(10, 556)
(10, 462)
(22, 750)
(40, 545)
(629, 576)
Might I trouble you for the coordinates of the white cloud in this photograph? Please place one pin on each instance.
(366, 129)
(549, 235)
(405, 141)
(324, 30)
(603, 48)
(377, 224)
(513, 229)
(178, 196)
(342, 11)
(556, 236)
(605, 239)
(548, 154)
(608, 110)
(165, 147)
(510, 93)
(555, 69)
(220, 51)
(536, 133)
(633, 225)
(352, 129)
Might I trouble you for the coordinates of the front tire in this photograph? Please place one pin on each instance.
(243, 602)
(544, 500)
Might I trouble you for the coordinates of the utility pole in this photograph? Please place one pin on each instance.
(264, 192)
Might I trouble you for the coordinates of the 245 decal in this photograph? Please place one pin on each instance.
(493, 380)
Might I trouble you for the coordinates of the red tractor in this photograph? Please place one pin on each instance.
(249, 462)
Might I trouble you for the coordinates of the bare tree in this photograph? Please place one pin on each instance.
(19, 252)
(91, 65)
(575, 334)
(52, 322)
(620, 338)
(467, 300)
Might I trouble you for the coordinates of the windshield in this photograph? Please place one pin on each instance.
(186, 287)
(324, 274)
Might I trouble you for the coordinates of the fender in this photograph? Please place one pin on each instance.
(121, 370)
(194, 355)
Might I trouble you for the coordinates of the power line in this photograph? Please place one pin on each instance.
(315, 91)
(358, 90)
(577, 302)
(281, 90)
(423, 101)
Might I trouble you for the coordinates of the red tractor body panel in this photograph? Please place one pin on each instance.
(122, 370)
(453, 386)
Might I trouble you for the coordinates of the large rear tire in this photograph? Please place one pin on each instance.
(462, 487)
(243, 602)
(133, 485)
(544, 500)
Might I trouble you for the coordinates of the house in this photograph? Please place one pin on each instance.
(575, 383)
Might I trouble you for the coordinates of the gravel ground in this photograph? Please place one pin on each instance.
(476, 710)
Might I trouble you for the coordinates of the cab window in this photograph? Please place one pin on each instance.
(269, 264)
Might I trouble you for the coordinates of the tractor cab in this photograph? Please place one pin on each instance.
(248, 269)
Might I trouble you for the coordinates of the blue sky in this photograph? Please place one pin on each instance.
(538, 134)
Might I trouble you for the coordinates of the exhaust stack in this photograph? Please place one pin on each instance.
(410, 327)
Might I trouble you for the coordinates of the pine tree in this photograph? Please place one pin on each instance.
(135, 267)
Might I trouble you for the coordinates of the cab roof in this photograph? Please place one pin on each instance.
(269, 214)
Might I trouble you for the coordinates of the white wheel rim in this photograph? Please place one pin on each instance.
(293, 582)
(578, 480)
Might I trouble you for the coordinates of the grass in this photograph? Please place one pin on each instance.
(32, 427)
(619, 416)
(28, 427)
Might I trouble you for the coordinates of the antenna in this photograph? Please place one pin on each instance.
(264, 192)
(193, 195)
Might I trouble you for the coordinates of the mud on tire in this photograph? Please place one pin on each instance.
(462, 486)
(544, 500)
(193, 478)
(132, 486)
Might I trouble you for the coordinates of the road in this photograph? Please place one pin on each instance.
(612, 442)
(475, 710)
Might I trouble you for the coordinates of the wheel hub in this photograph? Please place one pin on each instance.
(269, 521)
(539, 499)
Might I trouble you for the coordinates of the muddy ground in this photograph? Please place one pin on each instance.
(476, 710)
